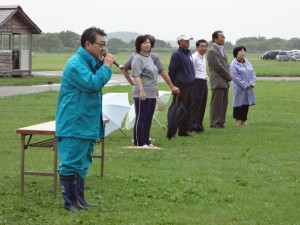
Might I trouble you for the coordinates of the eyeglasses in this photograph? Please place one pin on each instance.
(102, 44)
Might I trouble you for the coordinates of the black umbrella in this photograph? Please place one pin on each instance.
(176, 114)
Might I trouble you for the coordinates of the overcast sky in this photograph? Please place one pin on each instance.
(166, 19)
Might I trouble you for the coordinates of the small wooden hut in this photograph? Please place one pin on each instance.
(16, 30)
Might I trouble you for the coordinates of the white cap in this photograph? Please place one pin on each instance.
(184, 37)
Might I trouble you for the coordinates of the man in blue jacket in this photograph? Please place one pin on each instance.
(182, 74)
(79, 120)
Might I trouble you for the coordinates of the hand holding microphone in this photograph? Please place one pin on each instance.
(111, 57)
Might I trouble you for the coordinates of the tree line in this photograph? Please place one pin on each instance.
(68, 41)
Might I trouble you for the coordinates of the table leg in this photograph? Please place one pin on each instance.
(22, 165)
(55, 149)
(102, 157)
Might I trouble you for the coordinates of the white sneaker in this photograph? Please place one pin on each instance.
(145, 146)
(151, 146)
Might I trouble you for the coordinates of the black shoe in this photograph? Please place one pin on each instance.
(201, 129)
(193, 131)
(184, 135)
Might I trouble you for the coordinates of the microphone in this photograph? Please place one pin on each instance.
(115, 62)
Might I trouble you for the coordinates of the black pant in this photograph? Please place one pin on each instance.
(144, 111)
(240, 113)
(185, 99)
(198, 105)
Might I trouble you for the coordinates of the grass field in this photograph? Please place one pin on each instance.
(56, 62)
(245, 175)
(44, 62)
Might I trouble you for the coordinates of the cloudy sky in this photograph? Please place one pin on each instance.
(167, 19)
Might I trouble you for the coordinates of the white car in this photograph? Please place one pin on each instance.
(295, 56)
(283, 56)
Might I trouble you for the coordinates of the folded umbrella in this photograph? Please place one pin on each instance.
(176, 114)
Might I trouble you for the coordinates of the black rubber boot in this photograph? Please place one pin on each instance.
(69, 192)
(80, 194)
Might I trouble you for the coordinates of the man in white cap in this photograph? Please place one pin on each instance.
(182, 74)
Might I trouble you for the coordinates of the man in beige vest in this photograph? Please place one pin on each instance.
(219, 76)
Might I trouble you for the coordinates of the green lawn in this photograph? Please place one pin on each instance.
(237, 175)
(56, 62)
(28, 81)
(46, 61)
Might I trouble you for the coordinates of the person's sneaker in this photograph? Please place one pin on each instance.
(244, 123)
(193, 132)
(151, 146)
(145, 146)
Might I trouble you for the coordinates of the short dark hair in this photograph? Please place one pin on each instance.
(201, 41)
(215, 35)
(237, 49)
(152, 40)
(139, 40)
(90, 35)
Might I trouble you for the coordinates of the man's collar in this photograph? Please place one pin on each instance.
(221, 47)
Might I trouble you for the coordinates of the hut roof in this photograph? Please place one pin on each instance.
(7, 11)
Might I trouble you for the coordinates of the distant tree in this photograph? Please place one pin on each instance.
(251, 43)
(162, 44)
(131, 44)
(116, 43)
(246, 40)
(124, 36)
(228, 46)
(291, 44)
(48, 42)
(69, 39)
(276, 42)
(259, 44)
(263, 46)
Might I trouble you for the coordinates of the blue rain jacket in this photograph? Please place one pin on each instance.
(242, 75)
(79, 108)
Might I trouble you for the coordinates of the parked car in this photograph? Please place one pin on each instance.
(295, 50)
(270, 54)
(284, 56)
(296, 56)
